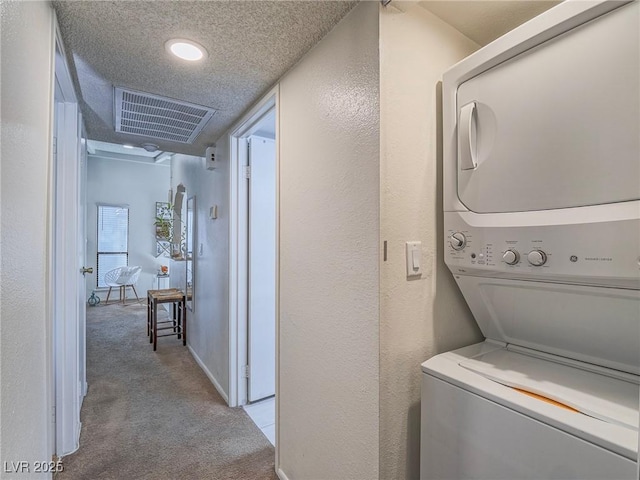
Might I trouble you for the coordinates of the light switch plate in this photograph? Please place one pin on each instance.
(414, 259)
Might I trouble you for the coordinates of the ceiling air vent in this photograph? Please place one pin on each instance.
(139, 113)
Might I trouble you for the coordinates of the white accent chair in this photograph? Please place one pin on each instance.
(122, 277)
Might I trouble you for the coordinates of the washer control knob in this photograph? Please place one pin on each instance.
(511, 257)
(537, 258)
(458, 241)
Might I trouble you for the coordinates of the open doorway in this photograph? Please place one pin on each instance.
(254, 265)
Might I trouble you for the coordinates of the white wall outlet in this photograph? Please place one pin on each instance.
(414, 259)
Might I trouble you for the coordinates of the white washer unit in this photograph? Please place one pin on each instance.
(542, 225)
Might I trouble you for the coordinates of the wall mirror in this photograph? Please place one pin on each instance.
(190, 238)
(178, 247)
(164, 228)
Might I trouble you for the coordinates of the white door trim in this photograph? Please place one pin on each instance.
(238, 245)
(238, 251)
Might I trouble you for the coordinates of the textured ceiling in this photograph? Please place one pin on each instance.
(484, 21)
(250, 44)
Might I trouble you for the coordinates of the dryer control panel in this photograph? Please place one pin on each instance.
(603, 253)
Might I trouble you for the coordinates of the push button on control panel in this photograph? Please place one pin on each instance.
(511, 257)
(537, 258)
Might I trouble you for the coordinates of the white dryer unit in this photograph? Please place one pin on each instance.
(542, 234)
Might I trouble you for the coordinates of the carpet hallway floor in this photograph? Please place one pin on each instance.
(155, 415)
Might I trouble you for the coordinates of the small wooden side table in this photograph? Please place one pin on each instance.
(179, 321)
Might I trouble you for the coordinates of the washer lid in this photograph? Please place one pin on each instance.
(610, 436)
(612, 400)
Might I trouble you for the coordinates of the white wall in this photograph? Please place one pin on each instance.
(419, 318)
(25, 138)
(208, 328)
(329, 255)
(139, 185)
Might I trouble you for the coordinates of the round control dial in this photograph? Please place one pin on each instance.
(457, 241)
(537, 258)
(511, 257)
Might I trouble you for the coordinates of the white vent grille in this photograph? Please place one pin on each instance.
(153, 116)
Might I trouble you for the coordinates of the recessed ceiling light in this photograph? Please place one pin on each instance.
(127, 146)
(186, 49)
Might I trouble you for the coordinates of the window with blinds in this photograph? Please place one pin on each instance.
(113, 239)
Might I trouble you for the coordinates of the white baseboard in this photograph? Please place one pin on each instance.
(209, 375)
(281, 474)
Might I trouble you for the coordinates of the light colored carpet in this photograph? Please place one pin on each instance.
(155, 415)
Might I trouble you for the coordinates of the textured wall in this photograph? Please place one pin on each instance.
(208, 328)
(419, 318)
(329, 261)
(25, 139)
(140, 186)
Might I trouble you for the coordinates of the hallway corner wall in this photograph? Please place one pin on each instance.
(329, 255)
(208, 327)
(27, 46)
(424, 316)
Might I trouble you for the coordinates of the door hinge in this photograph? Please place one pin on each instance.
(247, 171)
(245, 371)
(55, 145)
(53, 414)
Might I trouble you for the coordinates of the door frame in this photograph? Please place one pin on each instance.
(66, 387)
(238, 246)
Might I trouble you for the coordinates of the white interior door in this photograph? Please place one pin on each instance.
(262, 269)
(82, 261)
(68, 283)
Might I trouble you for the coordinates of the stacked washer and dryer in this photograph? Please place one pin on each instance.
(542, 225)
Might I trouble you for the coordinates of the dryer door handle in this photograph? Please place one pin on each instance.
(467, 137)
